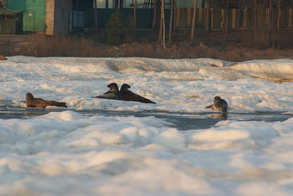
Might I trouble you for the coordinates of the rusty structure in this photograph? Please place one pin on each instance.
(11, 21)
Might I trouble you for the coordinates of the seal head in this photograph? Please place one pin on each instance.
(113, 93)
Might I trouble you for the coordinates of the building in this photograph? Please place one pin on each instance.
(11, 21)
(58, 14)
(50, 17)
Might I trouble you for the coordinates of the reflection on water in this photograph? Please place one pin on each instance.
(220, 116)
(180, 121)
(33, 114)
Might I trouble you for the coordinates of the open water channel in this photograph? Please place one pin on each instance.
(181, 121)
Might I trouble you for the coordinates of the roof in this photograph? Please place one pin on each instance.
(10, 12)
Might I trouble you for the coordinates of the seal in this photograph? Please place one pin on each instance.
(41, 103)
(219, 104)
(127, 95)
(113, 93)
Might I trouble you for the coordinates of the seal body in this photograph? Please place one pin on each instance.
(41, 103)
(219, 104)
(127, 95)
(113, 93)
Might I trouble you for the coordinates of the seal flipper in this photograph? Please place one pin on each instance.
(210, 106)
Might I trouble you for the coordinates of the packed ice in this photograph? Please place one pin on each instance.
(65, 151)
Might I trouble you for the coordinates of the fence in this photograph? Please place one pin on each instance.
(238, 18)
(144, 17)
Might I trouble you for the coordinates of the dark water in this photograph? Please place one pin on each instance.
(181, 121)
(205, 120)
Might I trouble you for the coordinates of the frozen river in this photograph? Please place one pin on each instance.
(174, 147)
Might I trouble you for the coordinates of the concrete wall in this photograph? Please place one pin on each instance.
(57, 16)
(50, 7)
(61, 19)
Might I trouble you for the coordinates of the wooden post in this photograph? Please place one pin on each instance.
(193, 22)
(155, 14)
(227, 19)
(163, 19)
(279, 16)
(170, 26)
(175, 12)
(208, 17)
(161, 28)
(255, 20)
(96, 17)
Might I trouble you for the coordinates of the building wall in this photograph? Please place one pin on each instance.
(33, 15)
(61, 18)
(188, 3)
(15, 4)
(57, 16)
(50, 7)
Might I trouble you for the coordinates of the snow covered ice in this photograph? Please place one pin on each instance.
(68, 152)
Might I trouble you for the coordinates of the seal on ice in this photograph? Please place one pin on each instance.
(41, 103)
(127, 95)
(219, 104)
(113, 93)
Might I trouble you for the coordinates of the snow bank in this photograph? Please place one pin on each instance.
(95, 155)
(270, 69)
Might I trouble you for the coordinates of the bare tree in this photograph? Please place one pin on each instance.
(279, 16)
(155, 14)
(170, 26)
(227, 18)
(270, 23)
(162, 26)
(193, 22)
(255, 19)
(175, 11)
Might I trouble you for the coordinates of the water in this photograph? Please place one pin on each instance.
(180, 121)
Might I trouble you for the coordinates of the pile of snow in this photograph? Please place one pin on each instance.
(270, 69)
(177, 85)
(97, 155)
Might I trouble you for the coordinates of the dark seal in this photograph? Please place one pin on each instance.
(41, 103)
(127, 95)
(113, 93)
(219, 104)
